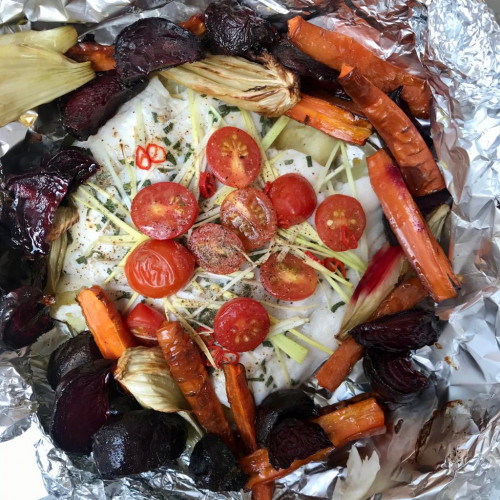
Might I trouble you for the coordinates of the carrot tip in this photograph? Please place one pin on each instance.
(345, 70)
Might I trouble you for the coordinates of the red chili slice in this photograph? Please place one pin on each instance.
(142, 159)
(207, 184)
(157, 154)
(333, 264)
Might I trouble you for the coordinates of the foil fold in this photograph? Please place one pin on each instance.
(445, 445)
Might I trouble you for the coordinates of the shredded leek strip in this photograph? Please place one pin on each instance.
(131, 173)
(119, 267)
(350, 178)
(288, 308)
(114, 176)
(328, 164)
(274, 132)
(345, 297)
(311, 342)
(150, 171)
(117, 239)
(205, 274)
(189, 303)
(169, 308)
(296, 351)
(197, 286)
(284, 325)
(274, 159)
(220, 120)
(328, 303)
(108, 196)
(96, 205)
(130, 303)
(328, 178)
(204, 221)
(194, 118)
(282, 364)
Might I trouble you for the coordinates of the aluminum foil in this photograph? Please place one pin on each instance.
(446, 445)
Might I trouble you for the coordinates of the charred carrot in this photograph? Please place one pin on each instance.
(331, 119)
(405, 296)
(105, 323)
(102, 57)
(243, 407)
(354, 421)
(188, 370)
(409, 149)
(195, 24)
(419, 245)
(335, 49)
(339, 364)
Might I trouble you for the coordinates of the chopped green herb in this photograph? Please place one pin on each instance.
(171, 158)
(124, 295)
(269, 381)
(212, 114)
(155, 117)
(336, 306)
(288, 162)
(81, 260)
(256, 379)
(224, 109)
(168, 128)
(266, 124)
(167, 141)
(188, 155)
(127, 188)
(177, 145)
(110, 205)
(267, 343)
(98, 227)
(309, 161)
(109, 270)
(146, 183)
(122, 162)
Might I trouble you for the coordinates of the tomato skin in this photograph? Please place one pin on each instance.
(143, 321)
(340, 222)
(164, 210)
(250, 214)
(207, 185)
(291, 279)
(293, 199)
(241, 325)
(234, 157)
(158, 268)
(217, 249)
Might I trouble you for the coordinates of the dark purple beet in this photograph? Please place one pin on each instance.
(233, 29)
(403, 331)
(81, 406)
(152, 44)
(73, 353)
(430, 202)
(294, 439)
(392, 376)
(23, 317)
(88, 108)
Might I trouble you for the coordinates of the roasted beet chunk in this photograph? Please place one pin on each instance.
(75, 352)
(88, 108)
(281, 404)
(392, 376)
(81, 406)
(294, 439)
(152, 44)
(138, 441)
(35, 196)
(214, 466)
(23, 317)
(233, 29)
(398, 332)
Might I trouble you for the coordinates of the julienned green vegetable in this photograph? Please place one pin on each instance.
(30, 76)
(59, 39)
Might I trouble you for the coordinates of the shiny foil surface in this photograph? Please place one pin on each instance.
(444, 446)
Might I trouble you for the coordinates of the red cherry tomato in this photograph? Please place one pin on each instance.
(291, 279)
(340, 222)
(250, 214)
(207, 184)
(241, 325)
(234, 157)
(157, 154)
(164, 210)
(293, 199)
(142, 159)
(143, 321)
(217, 249)
(159, 268)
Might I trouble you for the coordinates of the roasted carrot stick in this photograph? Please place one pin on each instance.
(365, 418)
(419, 245)
(195, 24)
(336, 368)
(415, 159)
(334, 49)
(331, 119)
(105, 323)
(186, 366)
(405, 296)
(102, 57)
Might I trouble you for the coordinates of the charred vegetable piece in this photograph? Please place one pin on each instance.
(123, 404)
(23, 317)
(214, 466)
(16, 269)
(294, 439)
(233, 29)
(137, 442)
(403, 331)
(428, 203)
(152, 44)
(392, 376)
(88, 108)
(101, 56)
(81, 406)
(281, 404)
(195, 24)
(75, 352)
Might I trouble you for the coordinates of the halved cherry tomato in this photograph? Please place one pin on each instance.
(233, 157)
(293, 199)
(340, 222)
(142, 159)
(250, 214)
(157, 154)
(217, 249)
(164, 210)
(241, 325)
(143, 321)
(207, 184)
(291, 279)
(159, 268)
